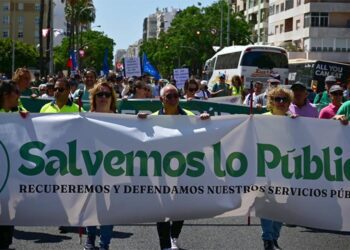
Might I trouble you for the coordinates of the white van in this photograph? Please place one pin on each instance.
(251, 63)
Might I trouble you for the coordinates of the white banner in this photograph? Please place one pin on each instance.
(180, 76)
(132, 66)
(91, 169)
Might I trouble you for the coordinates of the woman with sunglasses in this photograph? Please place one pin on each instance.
(9, 95)
(102, 99)
(191, 87)
(278, 101)
(139, 90)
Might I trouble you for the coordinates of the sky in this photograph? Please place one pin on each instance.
(122, 20)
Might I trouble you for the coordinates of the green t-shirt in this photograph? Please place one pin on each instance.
(345, 109)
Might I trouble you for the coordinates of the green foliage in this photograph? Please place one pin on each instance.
(193, 33)
(94, 44)
(25, 55)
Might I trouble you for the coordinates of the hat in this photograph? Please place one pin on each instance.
(335, 88)
(222, 75)
(330, 79)
(298, 85)
(131, 79)
(204, 82)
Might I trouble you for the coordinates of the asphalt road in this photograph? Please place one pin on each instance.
(223, 233)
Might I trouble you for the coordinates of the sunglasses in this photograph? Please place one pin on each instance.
(192, 90)
(340, 93)
(171, 96)
(59, 89)
(280, 99)
(105, 94)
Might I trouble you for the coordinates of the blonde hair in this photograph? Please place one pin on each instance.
(96, 89)
(20, 73)
(276, 91)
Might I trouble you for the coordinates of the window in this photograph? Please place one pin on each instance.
(6, 20)
(281, 28)
(272, 10)
(316, 19)
(20, 34)
(20, 6)
(276, 29)
(228, 61)
(323, 19)
(6, 7)
(37, 7)
(298, 2)
(5, 34)
(20, 20)
(297, 24)
(282, 7)
(36, 20)
(265, 60)
(277, 9)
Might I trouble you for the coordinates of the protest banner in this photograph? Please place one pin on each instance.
(180, 76)
(91, 169)
(132, 66)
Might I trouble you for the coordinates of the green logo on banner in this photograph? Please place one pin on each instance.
(4, 166)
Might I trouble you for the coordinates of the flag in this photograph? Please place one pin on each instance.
(149, 68)
(72, 61)
(58, 32)
(105, 67)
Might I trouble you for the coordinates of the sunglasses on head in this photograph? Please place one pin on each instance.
(171, 96)
(280, 99)
(59, 89)
(105, 94)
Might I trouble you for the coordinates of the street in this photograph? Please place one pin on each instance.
(222, 233)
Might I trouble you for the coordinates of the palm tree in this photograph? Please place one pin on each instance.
(80, 12)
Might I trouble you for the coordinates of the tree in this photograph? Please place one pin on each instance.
(80, 12)
(94, 44)
(190, 39)
(26, 55)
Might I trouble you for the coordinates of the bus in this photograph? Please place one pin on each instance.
(308, 71)
(251, 63)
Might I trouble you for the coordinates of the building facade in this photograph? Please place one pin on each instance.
(256, 14)
(19, 20)
(318, 29)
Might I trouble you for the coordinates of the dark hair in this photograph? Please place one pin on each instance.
(6, 87)
(65, 81)
(191, 81)
(138, 84)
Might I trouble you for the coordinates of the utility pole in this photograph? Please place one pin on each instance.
(51, 38)
(228, 23)
(221, 24)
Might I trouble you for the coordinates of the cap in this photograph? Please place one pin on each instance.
(330, 79)
(335, 88)
(258, 82)
(131, 79)
(204, 82)
(222, 75)
(298, 85)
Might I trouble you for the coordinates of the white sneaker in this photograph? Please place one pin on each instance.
(174, 244)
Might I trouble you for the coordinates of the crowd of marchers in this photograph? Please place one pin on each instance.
(66, 95)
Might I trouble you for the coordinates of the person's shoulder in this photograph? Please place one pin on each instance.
(45, 107)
